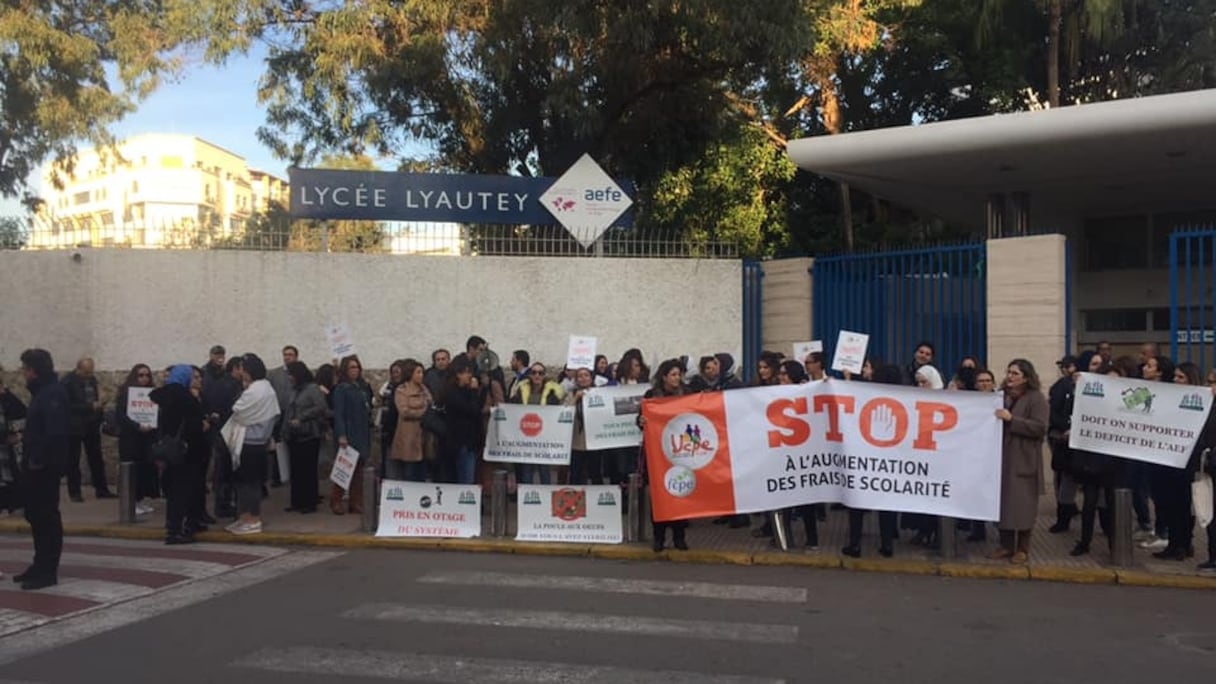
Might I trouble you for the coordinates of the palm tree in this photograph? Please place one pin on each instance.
(1069, 24)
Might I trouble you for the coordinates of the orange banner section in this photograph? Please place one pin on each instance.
(687, 454)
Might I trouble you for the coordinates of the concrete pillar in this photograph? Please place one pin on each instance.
(787, 300)
(1027, 303)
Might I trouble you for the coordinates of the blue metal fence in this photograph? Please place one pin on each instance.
(753, 318)
(901, 298)
(1192, 284)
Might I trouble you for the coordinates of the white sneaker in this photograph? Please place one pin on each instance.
(1143, 535)
(1156, 545)
(143, 509)
(247, 528)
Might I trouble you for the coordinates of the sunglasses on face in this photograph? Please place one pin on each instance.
(536, 372)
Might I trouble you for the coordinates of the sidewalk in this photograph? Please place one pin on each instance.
(1050, 559)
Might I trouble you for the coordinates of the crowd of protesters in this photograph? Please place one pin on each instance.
(223, 425)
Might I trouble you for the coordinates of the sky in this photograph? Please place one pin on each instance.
(217, 104)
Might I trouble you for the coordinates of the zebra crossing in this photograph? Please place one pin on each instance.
(586, 627)
(105, 584)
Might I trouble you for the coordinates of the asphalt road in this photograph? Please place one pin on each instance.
(370, 616)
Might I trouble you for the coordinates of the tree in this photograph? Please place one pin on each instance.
(13, 233)
(53, 72)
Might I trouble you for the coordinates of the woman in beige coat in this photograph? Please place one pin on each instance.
(412, 399)
(1025, 415)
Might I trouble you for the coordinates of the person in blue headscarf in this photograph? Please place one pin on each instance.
(181, 416)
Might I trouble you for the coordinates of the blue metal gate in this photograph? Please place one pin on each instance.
(1192, 283)
(753, 318)
(901, 298)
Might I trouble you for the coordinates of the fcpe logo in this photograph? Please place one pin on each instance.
(531, 424)
(690, 440)
(570, 504)
(680, 482)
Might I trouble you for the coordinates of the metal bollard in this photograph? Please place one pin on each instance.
(633, 514)
(126, 492)
(371, 498)
(947, 537)
(1121, 541)
(498, 504)
(644, 514)
(778, 522)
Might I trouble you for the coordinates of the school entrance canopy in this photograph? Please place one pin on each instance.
(1035, 170)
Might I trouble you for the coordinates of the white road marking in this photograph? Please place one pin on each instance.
(63, 632)
(244, 549)
(613, 585)
(101, 591)
(459, 670)
(577, 622)
(187, 568)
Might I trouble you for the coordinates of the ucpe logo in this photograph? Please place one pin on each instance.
(689, 442)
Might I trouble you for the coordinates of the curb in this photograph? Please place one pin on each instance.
(1036, 573)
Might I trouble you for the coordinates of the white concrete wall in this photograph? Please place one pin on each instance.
(786, 303)
(1026, 303)
(161, 307)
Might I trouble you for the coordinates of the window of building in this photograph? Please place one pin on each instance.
(1116, 243)
(1118, 320)
(134, 186)
(1194, 318)
(1165, 224)
(207, 192)
(171, 162)
(81, 197)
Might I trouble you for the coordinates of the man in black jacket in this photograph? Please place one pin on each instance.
(84, 403)
(45, 456)
(1060, 399)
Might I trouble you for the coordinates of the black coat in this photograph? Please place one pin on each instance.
(462, 414)
(85, 417)
(45, 441)
(133, 443)
(1060, 400)
(179, 410)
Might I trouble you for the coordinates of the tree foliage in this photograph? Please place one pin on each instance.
(692, 99)
(53, 72)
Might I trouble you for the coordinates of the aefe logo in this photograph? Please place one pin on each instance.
(531, 424)
(690, 440)
(883, 422)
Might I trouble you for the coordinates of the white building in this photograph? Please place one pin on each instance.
(155, 190)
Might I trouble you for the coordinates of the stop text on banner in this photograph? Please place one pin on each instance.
(868, 446)
(520, 433)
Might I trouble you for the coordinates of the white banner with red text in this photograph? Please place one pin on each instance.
(588, 514)
(540, 435)
(428, 509)
(1154, 422)
(868, 446)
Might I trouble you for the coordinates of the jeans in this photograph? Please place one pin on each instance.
(405, 471)
(249, 478)
(466, 465)
(527, 472)
(887, 523)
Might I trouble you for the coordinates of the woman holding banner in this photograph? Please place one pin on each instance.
(927, 377)
(352, 428)
(585, 466)
(668, 382)
(1095, 473)
(462, 415)
(1174, 485)
(135, 441)
(1025, 416)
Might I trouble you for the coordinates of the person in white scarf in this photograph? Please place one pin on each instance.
(248, 435)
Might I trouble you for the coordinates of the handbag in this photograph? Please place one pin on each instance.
(170, 449)
(433, 421)
(109, 423)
